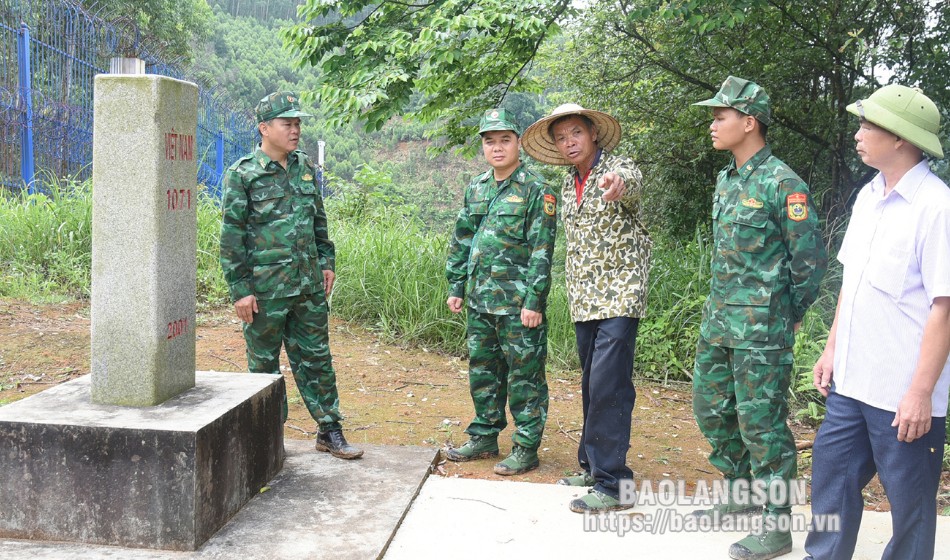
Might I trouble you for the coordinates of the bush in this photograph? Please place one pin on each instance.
(46, 242)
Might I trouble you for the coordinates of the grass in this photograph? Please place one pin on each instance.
(46, 243)
(390, 277)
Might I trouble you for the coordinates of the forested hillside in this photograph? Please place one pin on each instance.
(245, 57)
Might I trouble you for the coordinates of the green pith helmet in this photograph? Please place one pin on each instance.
(903, 111)
(743, 96)
(497, 119)
(284, 104)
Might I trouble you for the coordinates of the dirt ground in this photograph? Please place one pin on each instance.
(390, 395)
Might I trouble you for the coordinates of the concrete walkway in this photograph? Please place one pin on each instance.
(477, 519)
(386, 506)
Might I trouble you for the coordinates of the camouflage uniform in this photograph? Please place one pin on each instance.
(608, 249)
(768, 262)
(275, 246)
(607, 271)
(500, 262)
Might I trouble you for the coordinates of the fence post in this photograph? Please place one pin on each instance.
(219, 159)
(27, 165)
(321, 147)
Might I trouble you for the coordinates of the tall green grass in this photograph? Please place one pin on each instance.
(46, 242)
(679, 283)
(212, 290)
(390, 277)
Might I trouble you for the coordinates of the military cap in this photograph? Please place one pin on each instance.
(743, 96)
(497, 119)
(903, 111)
(284, 104)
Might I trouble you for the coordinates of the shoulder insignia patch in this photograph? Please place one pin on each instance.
(797, 205)
(753, 203)
(550, 204)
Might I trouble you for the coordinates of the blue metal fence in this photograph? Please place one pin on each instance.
(50, 52)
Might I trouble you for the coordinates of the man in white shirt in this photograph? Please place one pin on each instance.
(885, 369)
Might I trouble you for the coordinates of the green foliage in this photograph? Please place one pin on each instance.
(679, 283)
(174, 25)
(257, 9)
(444, 61)
(211, 288)
(390, 277)
(46, 242)
(461, 56)
(245, 58)
(46, 245)
(813, 58)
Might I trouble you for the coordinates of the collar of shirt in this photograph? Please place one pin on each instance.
(579, 181)
(517, 176)
(264, 160)
(751, 165)
(908, 185)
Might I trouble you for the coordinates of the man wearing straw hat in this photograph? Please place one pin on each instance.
(608, 262)
(499, 264)
(884, 369)
(768, 262)
(278, 259)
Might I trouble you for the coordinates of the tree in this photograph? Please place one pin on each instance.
(462, 56)
(175, 26)
(644, 60)
(649, 60)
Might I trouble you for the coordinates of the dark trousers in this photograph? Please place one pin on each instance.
(606, 348)
(856, 441)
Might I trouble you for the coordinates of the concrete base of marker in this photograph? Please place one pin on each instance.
(165, 477)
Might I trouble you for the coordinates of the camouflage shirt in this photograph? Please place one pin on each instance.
(500, 252)
(274, 240)
(608, 249)
(768, 255)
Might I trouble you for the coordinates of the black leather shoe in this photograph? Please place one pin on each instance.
(334, 442)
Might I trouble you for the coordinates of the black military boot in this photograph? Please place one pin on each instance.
(334, 442)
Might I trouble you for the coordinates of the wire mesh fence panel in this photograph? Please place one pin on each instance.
(50, 53)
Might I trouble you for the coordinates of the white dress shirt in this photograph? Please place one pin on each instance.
(896, 257)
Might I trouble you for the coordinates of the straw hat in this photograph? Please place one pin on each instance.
(539, 144)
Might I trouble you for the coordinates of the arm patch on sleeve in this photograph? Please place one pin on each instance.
(797, 207)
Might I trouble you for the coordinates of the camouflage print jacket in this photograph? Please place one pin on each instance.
(274, 240)
(768, 255)
(608, 248)
(500, 252)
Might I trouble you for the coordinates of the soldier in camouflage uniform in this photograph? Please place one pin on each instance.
(768, 262)
(607, 269)
(500, 264)
(278, 262)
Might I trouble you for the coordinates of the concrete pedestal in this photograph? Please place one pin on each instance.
(167, 476)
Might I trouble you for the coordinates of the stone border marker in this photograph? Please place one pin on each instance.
(144, 224)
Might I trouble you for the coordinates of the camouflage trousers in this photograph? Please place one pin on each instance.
(740, 400)
(506, 364)
(300, 324)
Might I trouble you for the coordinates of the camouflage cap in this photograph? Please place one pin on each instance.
(743, 96)
(497, 119)
(284, 104)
